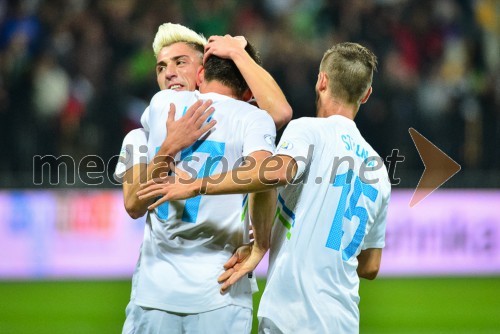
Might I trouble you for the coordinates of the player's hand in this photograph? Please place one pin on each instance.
(190, 127)
(224, 46)
(244, 260)
(180, 186)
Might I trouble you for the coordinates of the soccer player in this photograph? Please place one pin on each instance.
(329, 226)
(173, 292)
(179, 53)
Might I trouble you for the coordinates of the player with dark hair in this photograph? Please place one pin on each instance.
(179, 55)
(172, 292)
(329, 226)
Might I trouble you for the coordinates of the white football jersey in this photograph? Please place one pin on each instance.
(323, 220)
(187, 242)
(133, 152)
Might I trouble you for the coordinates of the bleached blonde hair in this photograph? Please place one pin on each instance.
(170, 33)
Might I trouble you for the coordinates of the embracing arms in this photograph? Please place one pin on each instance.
(265, 90)
(181, 134)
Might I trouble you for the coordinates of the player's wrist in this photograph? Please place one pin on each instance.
(238, 55)
(200, 187)
(168, 149)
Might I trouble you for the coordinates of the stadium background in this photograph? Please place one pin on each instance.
(76, 75)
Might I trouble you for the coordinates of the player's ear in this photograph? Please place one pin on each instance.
(200, 76)
(247, 95)
(322, 83)
(367, 95)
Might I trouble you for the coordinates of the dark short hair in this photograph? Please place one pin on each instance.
(226, 72)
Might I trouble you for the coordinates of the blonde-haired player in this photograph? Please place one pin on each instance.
(179, 53)
(179, 57)
(329, 227)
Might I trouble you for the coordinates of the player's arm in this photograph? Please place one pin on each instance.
(262, 206)
(180, 134)
(265, 90)
(369, 263)
(132, 162)
(268, 173)
(371, 252)
(256, 176)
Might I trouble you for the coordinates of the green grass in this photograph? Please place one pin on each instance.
(430, 305)
(426, 305)
(63, 307)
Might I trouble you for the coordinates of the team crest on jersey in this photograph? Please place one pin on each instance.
(286, 145)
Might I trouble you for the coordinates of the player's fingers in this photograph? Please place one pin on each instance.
(157, 203)
(208, 53)
(151, 192)
(225, 275)
(151, 182)
(225, 286)
(147, 184)
(204, 114)
(191, 110)
(146, 187)
(183, 177)
(242, 41)
(204, 117)
(236, 276)
(213, 38)
(231, 280)
(146, 193)
(206, 127)
(201, 110)
(171, 113)
(231, 262)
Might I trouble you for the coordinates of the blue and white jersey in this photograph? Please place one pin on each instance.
(186, 243)
(322, 223)
(133, 151)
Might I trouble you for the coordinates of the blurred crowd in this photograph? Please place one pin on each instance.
(76, 75)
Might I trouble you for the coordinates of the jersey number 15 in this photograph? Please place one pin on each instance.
(348, 208)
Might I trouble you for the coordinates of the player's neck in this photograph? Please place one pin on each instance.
(332, 106)
(217, 87)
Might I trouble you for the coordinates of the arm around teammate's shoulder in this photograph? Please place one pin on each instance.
(265, 89)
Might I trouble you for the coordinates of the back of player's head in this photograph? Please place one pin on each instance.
(226, 72)
(349, 67)
(170, 33)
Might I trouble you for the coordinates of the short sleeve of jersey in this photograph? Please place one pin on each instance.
(296, 142)
(145, 119)
(134, 147)
(159, 102)
(375, 238)
(260, 133)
